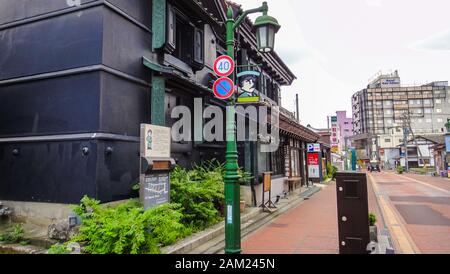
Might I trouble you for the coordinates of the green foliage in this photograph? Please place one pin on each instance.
(197, 197)
(200, 193)
(165, 223)
(246, 177)
(24, 243)
(14, 235)
(331, 171)
(58, 249)
(422, 170)
(400, 169)
(372, 219)
(136, 187)
(127, 229)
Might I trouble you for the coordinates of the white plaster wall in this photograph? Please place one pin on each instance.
(278, 188)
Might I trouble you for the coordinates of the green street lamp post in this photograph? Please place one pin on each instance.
(266, 27)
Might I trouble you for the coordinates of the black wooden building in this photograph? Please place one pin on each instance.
(76, 82)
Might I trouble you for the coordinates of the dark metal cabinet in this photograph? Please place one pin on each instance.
(353, 212)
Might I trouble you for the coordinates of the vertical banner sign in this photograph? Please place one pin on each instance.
(313, 161)
(313, 165)
(447, 143)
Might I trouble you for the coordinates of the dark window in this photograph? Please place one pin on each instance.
(171, 28)
(269, 90)
(199, 50)
(184, 40)
(277, 162)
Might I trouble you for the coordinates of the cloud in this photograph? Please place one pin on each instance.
(374, 3)
(437, 42)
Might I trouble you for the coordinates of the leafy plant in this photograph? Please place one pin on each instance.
(245, 177)
(165, 223)
(127, 228)
(400, 169)
(58, 249)
(331, 171)
(15, 235)
(200, 192)
(197, 197)
(136, 187)
(372, 219)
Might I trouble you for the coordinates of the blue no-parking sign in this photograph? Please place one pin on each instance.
(223, 88)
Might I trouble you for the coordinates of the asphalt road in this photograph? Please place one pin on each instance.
(416, 210)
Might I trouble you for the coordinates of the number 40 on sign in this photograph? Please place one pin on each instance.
(224, 66)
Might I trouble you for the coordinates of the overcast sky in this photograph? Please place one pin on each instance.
(335, 47)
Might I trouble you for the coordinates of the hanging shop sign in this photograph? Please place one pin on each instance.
(247, 92)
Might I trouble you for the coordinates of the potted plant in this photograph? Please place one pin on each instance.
(400, 170)
(372, 227)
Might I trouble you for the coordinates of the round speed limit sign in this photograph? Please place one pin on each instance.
(224, 66)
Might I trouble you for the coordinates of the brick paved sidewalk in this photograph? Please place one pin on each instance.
(310, 228)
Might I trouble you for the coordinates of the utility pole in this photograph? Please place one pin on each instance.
(297, 106)
(405, 141)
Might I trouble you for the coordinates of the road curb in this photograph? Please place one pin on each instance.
(390, 229)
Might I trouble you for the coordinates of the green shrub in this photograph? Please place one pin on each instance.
(372, 219)
(331, 171)
(127, 229)
(197, 197)
(165, 223)
(14, 235)
(58, 249)
(200, 193)
(400, 169)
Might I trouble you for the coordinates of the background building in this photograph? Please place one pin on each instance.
(385, 109)
(345, 130)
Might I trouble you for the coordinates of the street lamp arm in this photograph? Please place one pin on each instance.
(264, 9)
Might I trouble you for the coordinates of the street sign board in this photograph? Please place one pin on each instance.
(156, 189)
(447, 143)
(247, 92)
(313, 165)
(313, 147)
(223, 88)
(224, 66)
(155, 141)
